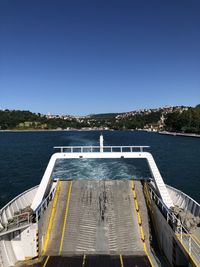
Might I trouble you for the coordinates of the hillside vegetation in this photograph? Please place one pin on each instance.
(186, 121)
(22, 120)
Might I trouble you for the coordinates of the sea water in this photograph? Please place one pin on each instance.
(25, 155)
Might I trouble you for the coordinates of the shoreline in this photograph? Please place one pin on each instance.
(180, 134)
(54, 130)
(95, 129)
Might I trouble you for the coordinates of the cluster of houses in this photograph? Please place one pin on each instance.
(164, 110)
(158, 126)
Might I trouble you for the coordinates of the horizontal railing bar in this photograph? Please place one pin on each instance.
(92, 149)
(97, 146)
(47, 198)
(17, 197)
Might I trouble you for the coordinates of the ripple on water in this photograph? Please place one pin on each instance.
(24, 157)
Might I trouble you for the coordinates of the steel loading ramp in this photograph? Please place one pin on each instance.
(92, 261)
(95, 221)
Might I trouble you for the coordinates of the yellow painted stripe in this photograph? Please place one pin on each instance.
(186, 249)
(65, 218)
(138, 216)
(84, 259)
(45, 263)
(121, 260)
(196, 239)
(140, 225)
(142, 233)
(133, 185)
(183, 234)
(148, 256)
(139, 219)
(53, 211)
(136, 205)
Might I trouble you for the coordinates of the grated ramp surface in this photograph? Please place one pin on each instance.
(101, 219)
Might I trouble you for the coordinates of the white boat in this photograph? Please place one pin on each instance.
(101, 222)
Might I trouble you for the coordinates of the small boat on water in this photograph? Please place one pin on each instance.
(100, 222)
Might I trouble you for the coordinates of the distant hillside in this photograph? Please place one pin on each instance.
(178, 119)
(105, 115)
(24, 120)
(187, 121)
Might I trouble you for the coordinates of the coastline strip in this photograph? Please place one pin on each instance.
(65, 218)
(180, 134)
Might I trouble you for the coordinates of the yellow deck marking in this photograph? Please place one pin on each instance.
(196, 239)
(53, 211)
(84, 259)
(187, 250)
(65, 218)
(121, 260)
(45, 263)
(148, 256)
(140, 223)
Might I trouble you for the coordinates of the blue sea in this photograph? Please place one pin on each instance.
(25, 155)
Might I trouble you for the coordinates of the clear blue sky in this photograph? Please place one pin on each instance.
(82, 57)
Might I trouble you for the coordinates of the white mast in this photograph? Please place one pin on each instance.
(101, 142)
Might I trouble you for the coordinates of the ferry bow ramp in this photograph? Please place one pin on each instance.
(92, 223)
(100, 222)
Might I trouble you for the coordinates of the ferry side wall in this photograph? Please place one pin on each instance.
(18, 245)
(165, 236)
(163, 232)
(166, 240)
(24, 245)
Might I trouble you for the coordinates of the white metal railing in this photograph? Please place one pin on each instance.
(184, 200)
(92, 149)
(25, 218)
(17, 197)
(21, 217)
(20, 220)
(43, 206)
(187, 240)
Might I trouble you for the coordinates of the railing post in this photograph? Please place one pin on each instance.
(45, 203)
(37, 216)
